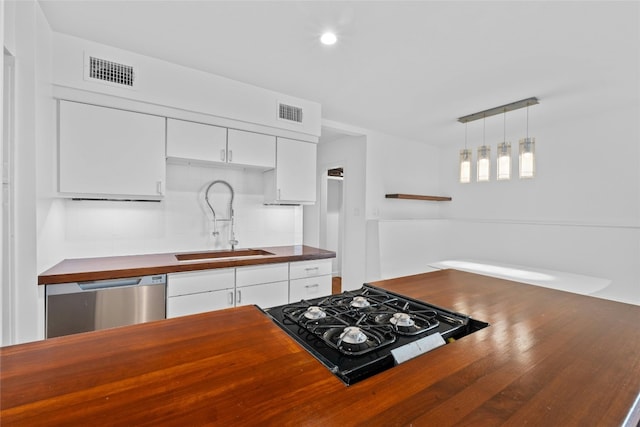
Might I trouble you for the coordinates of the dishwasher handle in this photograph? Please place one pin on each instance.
(107, 284)
(97, 285)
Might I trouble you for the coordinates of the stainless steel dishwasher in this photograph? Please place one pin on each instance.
(88, 306)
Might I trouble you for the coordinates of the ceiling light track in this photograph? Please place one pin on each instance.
(499, 110)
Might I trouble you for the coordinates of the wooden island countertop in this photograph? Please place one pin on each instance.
(116, 267)
(548, 358)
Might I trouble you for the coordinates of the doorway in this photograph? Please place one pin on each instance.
(334, 223)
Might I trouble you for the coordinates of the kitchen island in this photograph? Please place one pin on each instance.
(548, 358)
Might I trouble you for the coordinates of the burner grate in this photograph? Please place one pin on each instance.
(378, 316)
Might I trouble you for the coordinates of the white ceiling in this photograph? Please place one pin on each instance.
(407, 68)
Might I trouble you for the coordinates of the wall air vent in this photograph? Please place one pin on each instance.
(109, 72)
(290, 113)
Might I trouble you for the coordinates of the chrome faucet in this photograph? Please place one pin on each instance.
(232, 237)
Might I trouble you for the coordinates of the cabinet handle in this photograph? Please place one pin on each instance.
(279, 197)
(311, 270)
(239, 300)
(160, 187)
(315, 285)
(222, 154)
(230, 298)
(230, 156)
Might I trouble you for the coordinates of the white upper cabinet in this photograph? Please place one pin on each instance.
(105, 152)
(196, 141)
(294, 178)
(214, 144)
(251, 149)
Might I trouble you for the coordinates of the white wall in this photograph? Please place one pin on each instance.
(401, 165)
(182, 221)
(402, 235)
(160, 83)
(348, 152)
(405, 246)
(581, 214)
(4, 334)
(334, 223)
(33, 130)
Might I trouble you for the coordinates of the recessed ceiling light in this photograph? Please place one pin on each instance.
(328, 38)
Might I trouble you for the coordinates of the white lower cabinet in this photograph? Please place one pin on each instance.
(184, 305)
(303, 269)
(207, 290)
(264, 296)
(309, 279)
(199, 291)
(310, 287)
(262, 285)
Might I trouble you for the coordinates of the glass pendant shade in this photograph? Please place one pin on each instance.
(465, 166)
(503, 165)
(484, 166)
(527, 157)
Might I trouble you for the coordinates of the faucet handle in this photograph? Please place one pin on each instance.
(233, 242)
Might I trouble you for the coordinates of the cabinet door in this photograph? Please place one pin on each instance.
(251, 149)
(199, 303)
(265, 295)
(303, 269)
(104, 151)
(294, 178)
(196, 141)
(260, 274)
(310, 287)
(194, 282)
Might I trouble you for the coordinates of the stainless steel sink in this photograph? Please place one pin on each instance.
(221, 255)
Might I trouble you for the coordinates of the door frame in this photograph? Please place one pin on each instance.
(7, 223)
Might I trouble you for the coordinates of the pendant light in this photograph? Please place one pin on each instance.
(527, 157)
(465, 161)
(484, 158)
(503, 162)
(504, 159)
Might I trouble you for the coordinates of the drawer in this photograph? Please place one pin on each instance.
(184, 305)
(264, 295)
(192, 282)
(301, 269)
(246, 276)
(310, 287)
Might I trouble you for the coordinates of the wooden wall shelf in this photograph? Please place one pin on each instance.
(418, 197)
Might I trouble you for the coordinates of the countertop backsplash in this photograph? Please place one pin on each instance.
(182, 221)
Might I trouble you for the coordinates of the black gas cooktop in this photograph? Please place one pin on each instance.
(357, 334)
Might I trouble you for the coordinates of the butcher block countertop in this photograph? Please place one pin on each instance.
(548, 358)
(116, 267)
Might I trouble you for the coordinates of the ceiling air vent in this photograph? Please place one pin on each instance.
(290, 113)
(110, 72)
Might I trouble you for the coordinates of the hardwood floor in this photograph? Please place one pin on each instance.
(336, 285)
